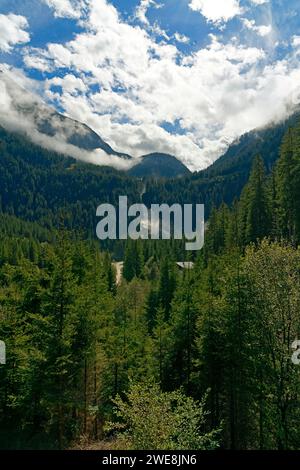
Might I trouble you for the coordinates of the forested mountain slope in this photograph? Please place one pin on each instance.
(216, 339)
(224, 180)
(158, 165)
(37, 184)
(233, 168)
(29, 113)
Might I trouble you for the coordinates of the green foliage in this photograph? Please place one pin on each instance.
(255, 210)
(39, 185)
(133, 261)
(156, 420)
(76, 340)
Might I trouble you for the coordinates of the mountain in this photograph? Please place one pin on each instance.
(224, 180)
(28, 114)
(265, 142)
(227, 176)
(159, 165)
(75, 133)
(39, 185)
(35, 183)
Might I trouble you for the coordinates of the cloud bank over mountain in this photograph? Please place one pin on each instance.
(26, 113)
(145, 88)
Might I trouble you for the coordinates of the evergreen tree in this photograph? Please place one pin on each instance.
(255, 216)
(167, 285)
(284, 187)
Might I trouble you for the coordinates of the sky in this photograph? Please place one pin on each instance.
(184, 77)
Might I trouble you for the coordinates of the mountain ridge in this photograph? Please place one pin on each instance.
(30, 112)
(37, 184)
(235, 163)
(155, 165)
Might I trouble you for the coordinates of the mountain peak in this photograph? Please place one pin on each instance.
(159, 165)
(26, 113)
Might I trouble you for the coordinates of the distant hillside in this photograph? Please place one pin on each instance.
(37, 184)
(224, 180)
(239, 156)
(28, 112)
(159, 165)
(75, 132)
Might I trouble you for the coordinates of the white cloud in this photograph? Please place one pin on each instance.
(21, 110)
(69, 83)
(217, 10)
(263, 30)
(181, 38)
(158, 31)
(141, 15)
(35, 60)
(296, 41)
(259, 2)
(12, 31)
(66, 8)
(142, 9)
(126, 85)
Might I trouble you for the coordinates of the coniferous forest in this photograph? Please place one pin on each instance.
(164, 358)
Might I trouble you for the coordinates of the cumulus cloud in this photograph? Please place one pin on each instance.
(259, 2)
(142, 9)
(69, 83)
(12, 31)
(296, 41)
(35, 60)
(22, 111)
(141, 94)
(66, 8)
(217, 10)
(181, 38)
(133, 89)
(262, 30)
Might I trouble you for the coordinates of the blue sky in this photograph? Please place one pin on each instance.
(185, 77)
